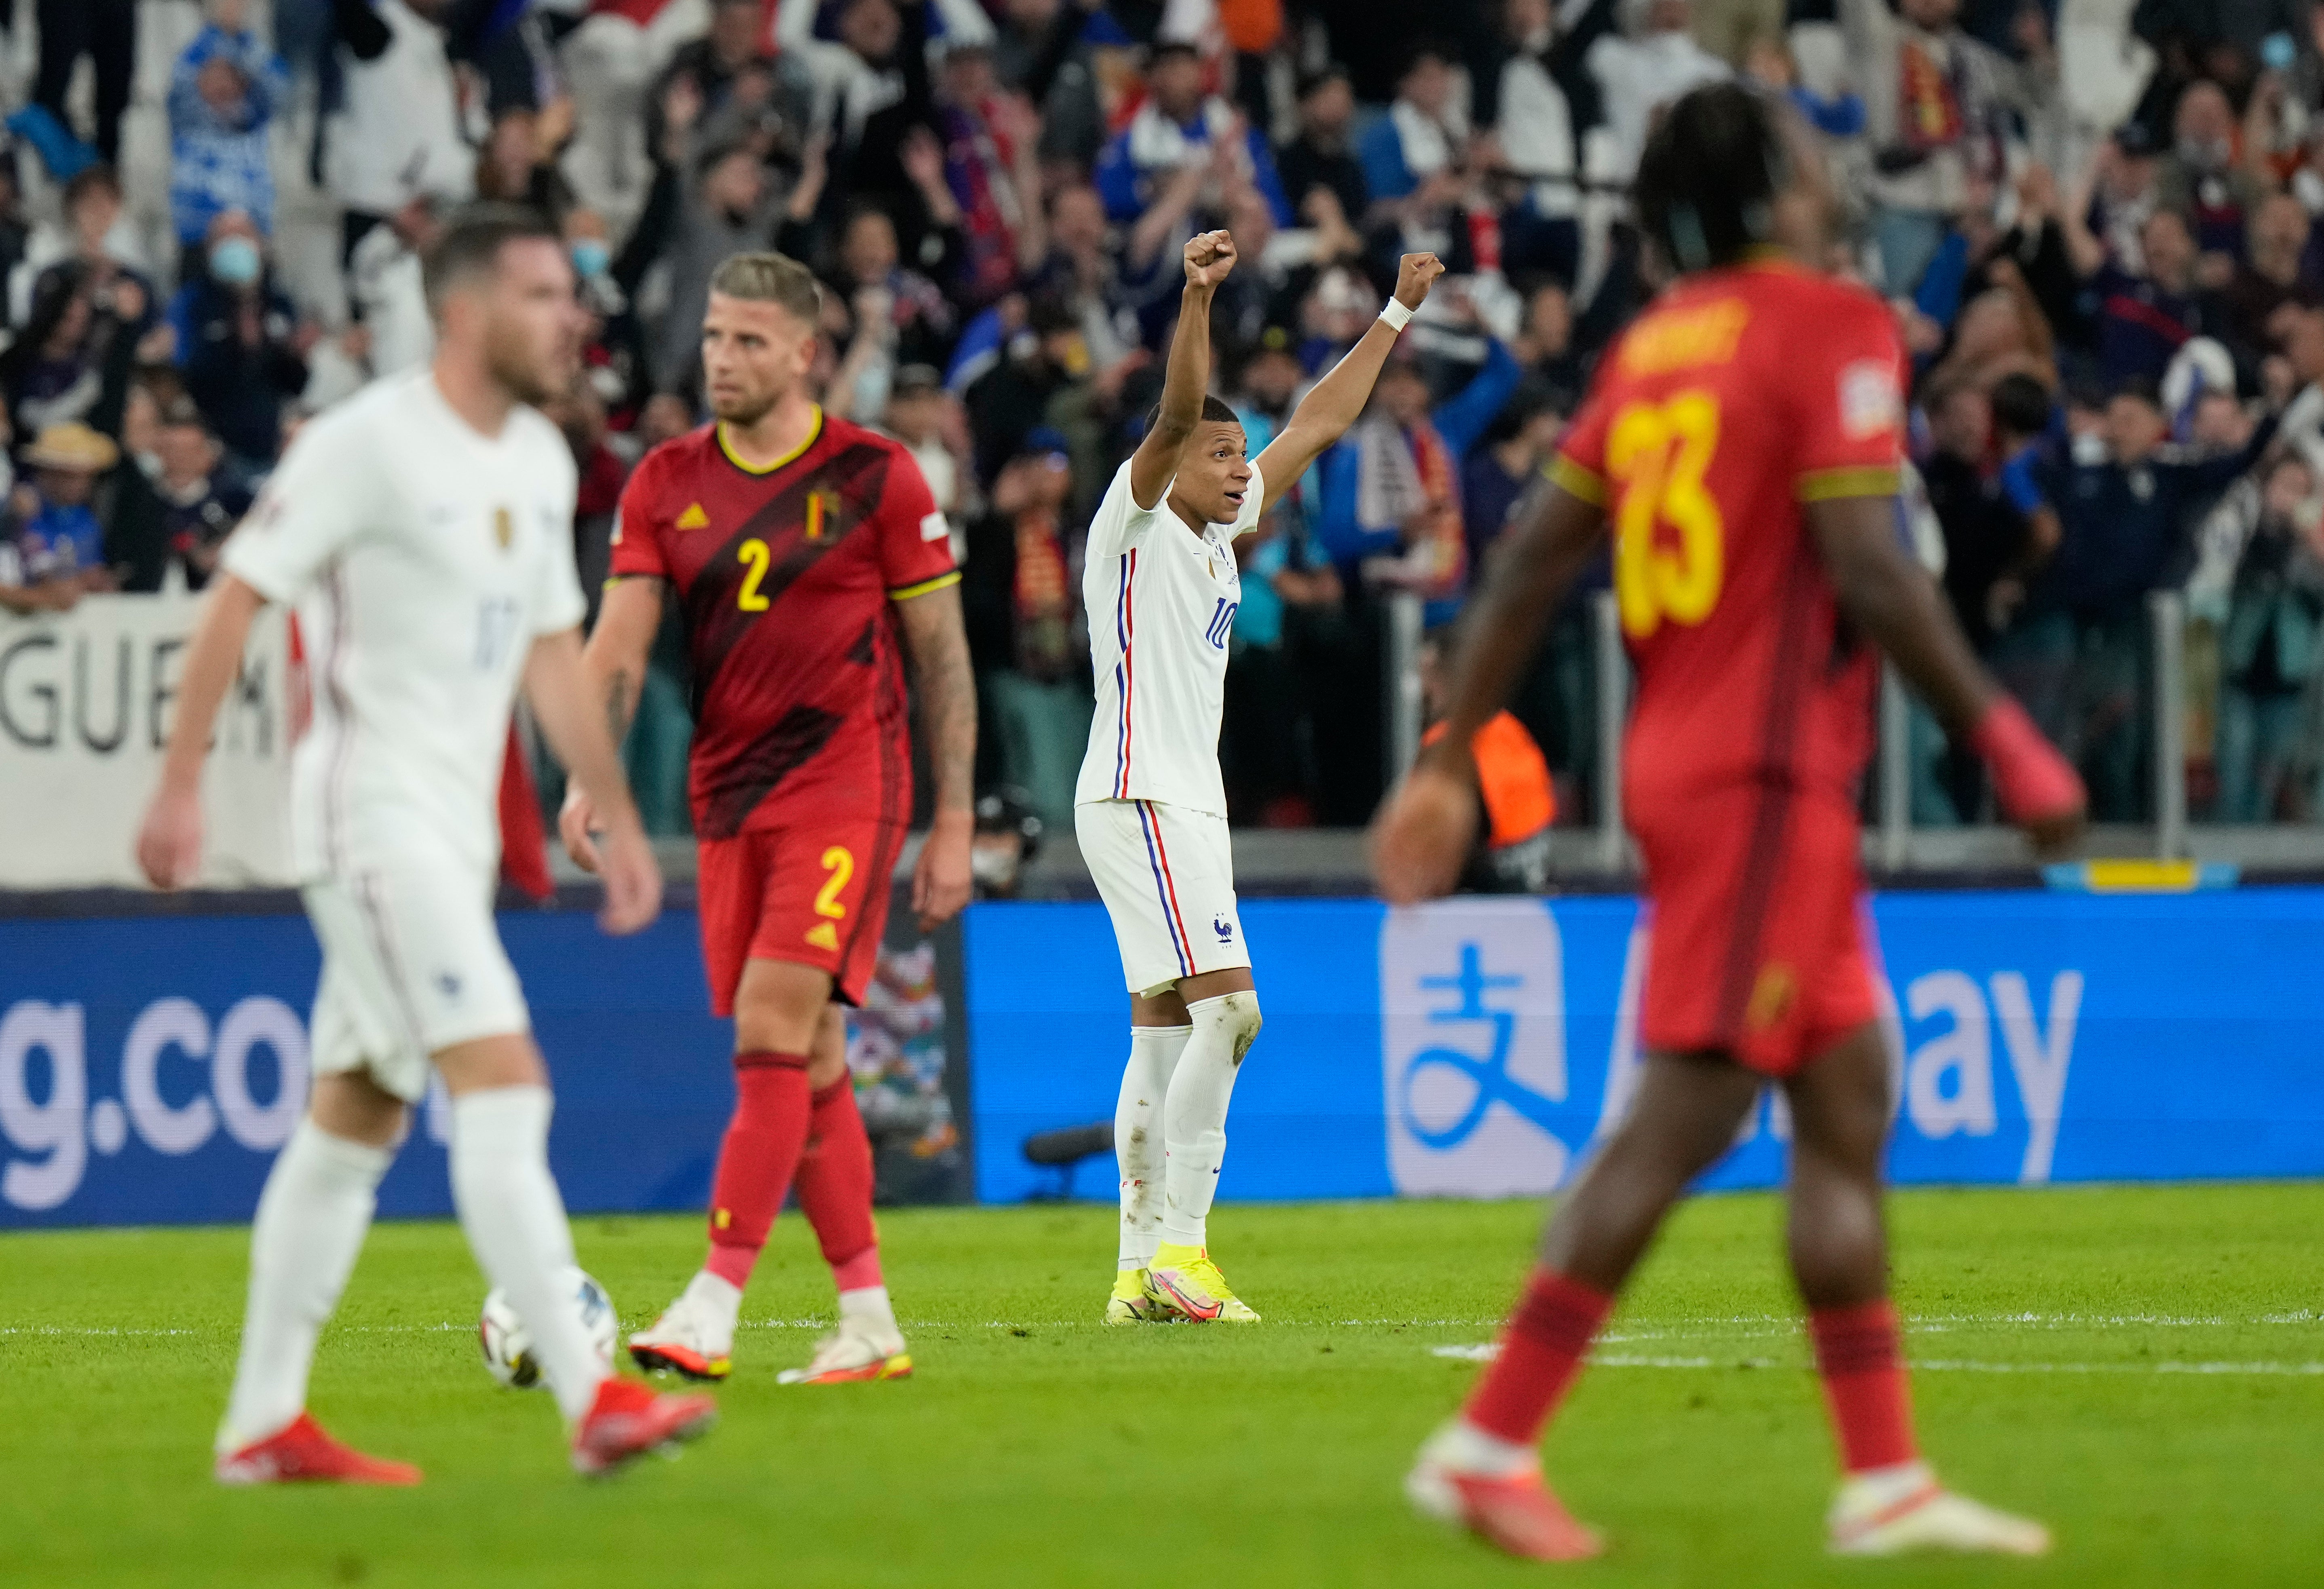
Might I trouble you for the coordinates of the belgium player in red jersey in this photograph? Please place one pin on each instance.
(1744, 440)
(797, 547)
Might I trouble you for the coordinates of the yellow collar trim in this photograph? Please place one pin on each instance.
(735, 458)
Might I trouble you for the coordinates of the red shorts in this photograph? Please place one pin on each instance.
(1757, 937)
(814, 892)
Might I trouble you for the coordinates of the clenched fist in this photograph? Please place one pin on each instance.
(1210, 255)
(1415, 275)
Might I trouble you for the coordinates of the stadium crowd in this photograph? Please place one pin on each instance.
(2095, 225)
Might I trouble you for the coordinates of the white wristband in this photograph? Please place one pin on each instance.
(1396, 316)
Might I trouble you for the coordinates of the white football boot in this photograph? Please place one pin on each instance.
(695, 1335)
(859, 1350)
(1902, 1509)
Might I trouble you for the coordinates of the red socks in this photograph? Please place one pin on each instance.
(758, 1158)
(1862, 1362)
(835, 1187)
(1541, 1352)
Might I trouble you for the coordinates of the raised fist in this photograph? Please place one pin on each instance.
(1210, 255)
(1415, 275)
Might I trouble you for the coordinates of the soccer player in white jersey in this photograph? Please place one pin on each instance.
(1161, 589)
(424, 530)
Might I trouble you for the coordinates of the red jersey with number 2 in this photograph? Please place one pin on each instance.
(784, 577)
(1741, 396)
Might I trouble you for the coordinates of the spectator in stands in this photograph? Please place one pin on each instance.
(1652, 61)
(1044, 53)
(612, 340)
(1084, 274)
(729, 206)
(990, 143)
(2125, 519)
(2145, 315)
(1390, 489)
(1323, 154)
(72, 358)
(1936, 103)
(732, 62)
(1041, 373)
(385, 290)
(397, 134)
(1412, 157)
(1494, 476)
(243, 347)
(2270, 274)
(2272, 650)
(203, 498)
(222, 95)
(1178, 129)
(105, 31)
(518, 164)
(2207, 179)
(1019, 596)
(1536, 124)
(923, 416)
(94, 235)
(53, 526)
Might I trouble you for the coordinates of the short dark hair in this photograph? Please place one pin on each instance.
(1166, 47)
(1215, 412)
(2143, 389)
(88, 180)
(2021, 404)
(471, 241)
(1707, 182)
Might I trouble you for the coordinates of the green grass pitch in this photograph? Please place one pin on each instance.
(2144, 1369)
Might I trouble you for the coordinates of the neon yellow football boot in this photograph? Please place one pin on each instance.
(1191, 1284)
(1134, 1302)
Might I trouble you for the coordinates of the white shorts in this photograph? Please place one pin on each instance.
(412, 964)
(1166, 875)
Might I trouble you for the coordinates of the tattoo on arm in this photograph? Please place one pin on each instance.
(621, 704)
(947, 684)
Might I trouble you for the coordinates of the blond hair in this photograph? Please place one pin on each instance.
(770, 277)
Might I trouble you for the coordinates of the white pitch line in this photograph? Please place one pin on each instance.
(1485, 1351)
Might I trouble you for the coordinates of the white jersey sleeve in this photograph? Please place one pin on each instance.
(313, 506)
(1120, 524)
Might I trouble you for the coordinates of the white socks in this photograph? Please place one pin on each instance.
(515, 1223)
(311, 1225)
(868, 1309)
(1154, 1053)
(1195, 1113)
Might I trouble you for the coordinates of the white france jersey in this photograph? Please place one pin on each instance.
(424, 557)
(1161, 600)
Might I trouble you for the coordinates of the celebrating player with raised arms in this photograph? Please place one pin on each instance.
(425, 529)
(796, 546)
(1161, 589)
(1744, 438)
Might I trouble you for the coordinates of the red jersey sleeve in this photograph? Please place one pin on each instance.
(1849, 422)
(640, 522)
(915, 540)
(1579, 464)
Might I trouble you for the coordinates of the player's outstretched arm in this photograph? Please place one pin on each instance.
(938, 641)
(1422, 835)
(555, 683)
(170, 842)
(1210, 255)
(1337, 400)
(1890, 598)
(613, 671)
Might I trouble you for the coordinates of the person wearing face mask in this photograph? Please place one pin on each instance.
(613, 339)
(243, 348)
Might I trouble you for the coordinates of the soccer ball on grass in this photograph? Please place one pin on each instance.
(507, 1345)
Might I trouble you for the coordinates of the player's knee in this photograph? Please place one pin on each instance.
(1237, 1014)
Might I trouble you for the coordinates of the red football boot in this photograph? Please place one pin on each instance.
(627, 1420)
(1516, 1511)
(300, 1453)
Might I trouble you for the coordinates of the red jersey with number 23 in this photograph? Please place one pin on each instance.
(1741, 396)
(785, 575)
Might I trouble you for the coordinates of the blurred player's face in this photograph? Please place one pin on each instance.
(1803, 209)
(1213, 473)
(755, 354)
(531, 327)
